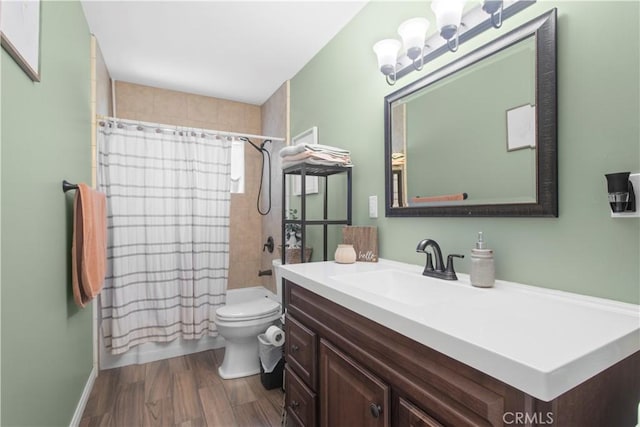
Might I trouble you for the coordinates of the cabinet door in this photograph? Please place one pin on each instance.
(410, 415)
(349, 395)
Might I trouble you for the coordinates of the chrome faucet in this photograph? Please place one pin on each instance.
(438, 271)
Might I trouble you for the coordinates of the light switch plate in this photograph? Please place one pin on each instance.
(635, 180)
(373, 206)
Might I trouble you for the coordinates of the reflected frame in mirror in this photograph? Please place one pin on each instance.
(546, 204)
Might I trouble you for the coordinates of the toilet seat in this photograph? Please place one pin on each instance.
(251, 310)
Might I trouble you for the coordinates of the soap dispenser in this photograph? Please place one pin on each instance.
(483, 272)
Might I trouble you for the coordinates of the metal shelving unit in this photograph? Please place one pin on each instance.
(304, 170)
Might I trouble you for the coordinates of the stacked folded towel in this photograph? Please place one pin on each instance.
(315, 154)
(397, 159)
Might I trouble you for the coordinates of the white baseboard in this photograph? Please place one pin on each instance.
(84, 398)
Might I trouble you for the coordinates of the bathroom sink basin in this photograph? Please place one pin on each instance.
(411, 289)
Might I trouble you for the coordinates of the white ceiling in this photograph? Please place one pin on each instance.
(238, 50)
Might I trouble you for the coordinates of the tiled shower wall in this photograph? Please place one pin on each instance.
(275, 122)
(149, 104)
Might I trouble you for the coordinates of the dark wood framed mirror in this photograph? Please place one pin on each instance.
(478, 137)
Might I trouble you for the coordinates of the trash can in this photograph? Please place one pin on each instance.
(271, 363)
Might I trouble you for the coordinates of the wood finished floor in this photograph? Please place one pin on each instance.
(184, 391)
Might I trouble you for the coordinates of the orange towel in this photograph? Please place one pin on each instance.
(89, 247)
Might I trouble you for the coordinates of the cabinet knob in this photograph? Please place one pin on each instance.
(295, 404)
(375, 409)
(294, 348)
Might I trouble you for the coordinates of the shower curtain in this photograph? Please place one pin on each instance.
(168, 232)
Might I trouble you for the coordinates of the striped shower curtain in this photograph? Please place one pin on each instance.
(168, 232)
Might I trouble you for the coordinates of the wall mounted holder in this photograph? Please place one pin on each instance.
(634, 180)
(67, 186)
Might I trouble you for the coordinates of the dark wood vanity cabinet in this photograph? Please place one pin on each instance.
(349, 394)
(301, 402)
(301, 350)
(363, 374)
(346, 370)
(411, 415)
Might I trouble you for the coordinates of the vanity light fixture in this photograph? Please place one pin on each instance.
(453, 29)
(414, 32)
(448, 19)
(387, 53)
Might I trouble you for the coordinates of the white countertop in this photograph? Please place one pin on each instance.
(543, 342)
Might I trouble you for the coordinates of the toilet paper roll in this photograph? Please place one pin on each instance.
(275, 336)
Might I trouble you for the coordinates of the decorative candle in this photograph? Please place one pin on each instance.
(345, 254)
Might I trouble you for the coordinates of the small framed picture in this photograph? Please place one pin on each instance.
(20, 34)
(309, 136)
(521, 127)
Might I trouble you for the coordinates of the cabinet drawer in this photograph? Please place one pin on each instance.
(300, 402)
(301, 350)
(411, 415)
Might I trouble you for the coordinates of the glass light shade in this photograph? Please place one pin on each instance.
(413, 32)
(387, 52)
(448, 12)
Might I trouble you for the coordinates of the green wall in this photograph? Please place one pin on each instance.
(584, 250)
(46, 339)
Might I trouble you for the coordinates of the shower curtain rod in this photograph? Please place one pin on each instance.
(210, 132)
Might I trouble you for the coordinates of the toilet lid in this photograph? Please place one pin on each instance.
(257, 309)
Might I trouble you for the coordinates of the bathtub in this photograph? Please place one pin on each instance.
(153, 351)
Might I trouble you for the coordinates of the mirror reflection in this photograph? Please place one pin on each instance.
(443, 158)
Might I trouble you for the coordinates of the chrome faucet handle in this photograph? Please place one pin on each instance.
(450, 272)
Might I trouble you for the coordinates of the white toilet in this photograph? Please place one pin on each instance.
(240, 324)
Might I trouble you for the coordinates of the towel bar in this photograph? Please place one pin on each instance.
(66, 186)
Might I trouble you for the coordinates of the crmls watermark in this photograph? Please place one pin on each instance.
(536, 418)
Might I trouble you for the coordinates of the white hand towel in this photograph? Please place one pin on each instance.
(237, 166)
